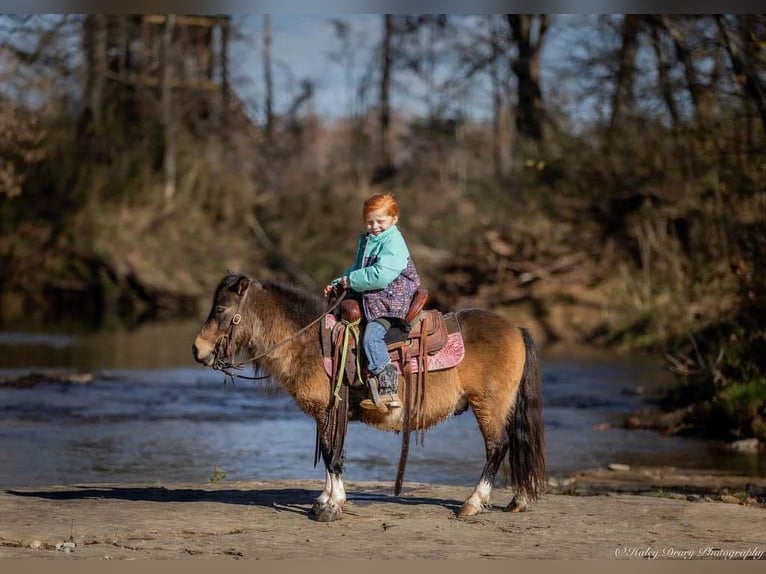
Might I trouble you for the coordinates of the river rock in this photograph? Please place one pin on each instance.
(745, 445)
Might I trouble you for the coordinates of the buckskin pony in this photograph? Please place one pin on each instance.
(498, 379)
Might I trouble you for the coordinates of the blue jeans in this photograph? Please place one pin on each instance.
(375, 347)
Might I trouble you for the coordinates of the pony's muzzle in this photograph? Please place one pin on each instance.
(203, 352)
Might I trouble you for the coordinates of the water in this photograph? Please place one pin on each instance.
(151, 415)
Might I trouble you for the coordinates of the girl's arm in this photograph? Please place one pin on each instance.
(392, 259)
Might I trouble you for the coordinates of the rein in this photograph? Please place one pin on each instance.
(224, 351)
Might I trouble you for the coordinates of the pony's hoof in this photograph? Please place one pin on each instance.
(327, 513)
(516, 505)
(468, 510)
(316, 507)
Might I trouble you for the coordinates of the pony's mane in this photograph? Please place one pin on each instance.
(302, 300)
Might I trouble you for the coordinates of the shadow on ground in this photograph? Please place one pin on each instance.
(297, 500)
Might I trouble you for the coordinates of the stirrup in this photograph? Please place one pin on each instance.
(371, 406)
(374, 404)
(386, 402)
(391, 400)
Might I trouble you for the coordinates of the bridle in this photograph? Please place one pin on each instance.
(224, 347)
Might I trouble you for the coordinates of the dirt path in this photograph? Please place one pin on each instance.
(627, 516)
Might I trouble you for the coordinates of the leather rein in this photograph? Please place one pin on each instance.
(224, 351)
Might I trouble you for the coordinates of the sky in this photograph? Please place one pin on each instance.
(306, 46)
(301, 48)
(303, 45)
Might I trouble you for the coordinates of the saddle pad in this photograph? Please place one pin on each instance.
(447, 357)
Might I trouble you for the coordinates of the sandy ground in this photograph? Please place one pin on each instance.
(602, 514)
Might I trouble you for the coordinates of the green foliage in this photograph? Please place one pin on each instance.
(744, 400)
(217, 475)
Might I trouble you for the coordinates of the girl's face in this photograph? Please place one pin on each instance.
(377, 222)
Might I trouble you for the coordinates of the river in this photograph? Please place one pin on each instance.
(152, 415)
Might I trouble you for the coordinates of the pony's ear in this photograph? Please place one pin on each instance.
(241, 285)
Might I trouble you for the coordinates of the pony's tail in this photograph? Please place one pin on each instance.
(525, 428)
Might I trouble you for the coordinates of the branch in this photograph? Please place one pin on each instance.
(275, 252)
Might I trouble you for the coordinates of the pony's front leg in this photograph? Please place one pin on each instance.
(329, 504)
(324, 496)
(334, 493)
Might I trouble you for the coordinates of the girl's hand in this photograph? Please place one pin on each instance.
(336, 288)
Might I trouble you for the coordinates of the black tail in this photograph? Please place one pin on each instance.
(525, 428)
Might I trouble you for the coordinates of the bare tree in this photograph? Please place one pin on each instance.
(527, 32)
(166, 114)
(626, 70)
(500, 140)
(386, 165)
(744, 58)
(267, 76)
(95, 50)
(664, 66)
(685, 56)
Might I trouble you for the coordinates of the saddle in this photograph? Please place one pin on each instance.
(421, 335)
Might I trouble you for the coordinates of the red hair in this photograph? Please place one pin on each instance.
(384, 202)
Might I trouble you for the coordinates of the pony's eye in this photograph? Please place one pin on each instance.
(220, 309)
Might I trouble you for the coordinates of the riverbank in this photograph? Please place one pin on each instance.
(600, 514)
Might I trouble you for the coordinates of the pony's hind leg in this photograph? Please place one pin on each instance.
(518, 503)
(479, 499)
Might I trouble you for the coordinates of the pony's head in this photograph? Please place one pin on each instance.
(223, 317)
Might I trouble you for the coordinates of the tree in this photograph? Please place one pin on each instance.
(386, 165)
(267, 77)
(626, 70)
(94, 39)
(527, 33)
(167, 63)
(746, 57)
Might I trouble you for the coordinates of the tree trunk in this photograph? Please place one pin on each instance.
(385, 168)
(95, 49)
(142, 62)
(663, 69)
(742, 62)
(626, 72)
(166, 106)
(267, 76)
(225, 103)
(500, 140)
(530, 111)
(684, 55)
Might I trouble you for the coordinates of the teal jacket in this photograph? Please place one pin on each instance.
(384, 273)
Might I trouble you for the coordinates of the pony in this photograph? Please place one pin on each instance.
(270, 324)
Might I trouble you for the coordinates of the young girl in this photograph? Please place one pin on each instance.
(385, 276)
